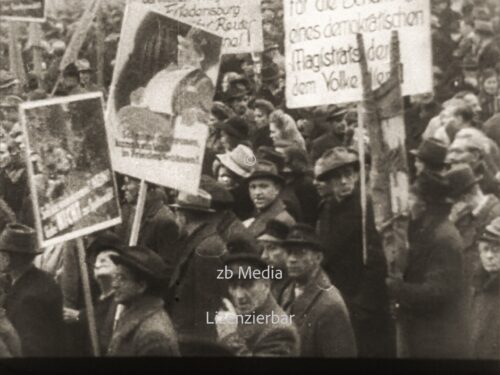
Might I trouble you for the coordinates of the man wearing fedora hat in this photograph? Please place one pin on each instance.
(485, 296)
(85, 71)
(430, 154)
(231, 170)
(34, 302)
(340, 229)
(252, 323)
(473, 210)
(264, 186)
(233, 131)
(431, 295)
(274, 253)
(320, 313)
(143, 328)
(193, 289)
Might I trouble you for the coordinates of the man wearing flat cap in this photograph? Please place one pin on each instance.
(340, 230)
(253, 324)
(320, 313)
(194, 289)
(472, 211)
(34, 302)
(265, 186)
(485, 300)
(431, 295)
(143, 328)
(334, 136)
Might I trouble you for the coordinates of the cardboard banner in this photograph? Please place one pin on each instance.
(238, 22)
(80, 33)
(160, 98)
(23, 10)
(322, 57)
(72, 184)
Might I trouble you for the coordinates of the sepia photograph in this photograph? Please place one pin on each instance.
(229, 185)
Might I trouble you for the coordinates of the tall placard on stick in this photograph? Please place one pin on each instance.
(322, 57)
(160, 98)
(23, 10)
(239, 22)
(71, 181)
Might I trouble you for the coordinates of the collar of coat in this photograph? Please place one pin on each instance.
(270, 212)
(312, 291)
(486, 281)
(135, 314)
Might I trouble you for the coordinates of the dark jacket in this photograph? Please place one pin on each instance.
(362, 285)
(322, 319)
(268, 339)
(485, 316)
(194, 289)
(34, 307)
(228, 225)
(325, 142)
(308, 197)
(144, 329)
(432, 294)
(10, 345)
(159, 231)
(471, 226)
(291, 201)
(261, 137)
(243, 205)
(276, 210)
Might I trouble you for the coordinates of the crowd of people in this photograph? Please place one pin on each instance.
(267, 259)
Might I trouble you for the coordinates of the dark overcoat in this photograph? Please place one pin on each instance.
(194, 289)
(144, 330)
(276, 210)
(432, 294)
(34, 307)
(322, 319)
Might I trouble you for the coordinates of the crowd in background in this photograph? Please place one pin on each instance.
(280, 188)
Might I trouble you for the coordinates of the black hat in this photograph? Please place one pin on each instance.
(303, 235)
(492, 232)
(143, 260)
(432, 151)
(221, 111)
(276, 231)
(235, 126)
(19, 238)
(461, 178)
(242, 250)
(71, 71)
(235, 91)
(266, 169)
(105, 241)
(433, 187)
(336, 158)
(220, 195)
(269, 153)
(336, 114)
(270, 72)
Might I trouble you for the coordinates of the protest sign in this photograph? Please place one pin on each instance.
(239, 22)
(322, 57)
(23, 10)
(72, 184)
(160, 98)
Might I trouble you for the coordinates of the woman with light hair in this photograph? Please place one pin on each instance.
(284, 131)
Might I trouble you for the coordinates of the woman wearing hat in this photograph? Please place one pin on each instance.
(283, 130)
(143, 327)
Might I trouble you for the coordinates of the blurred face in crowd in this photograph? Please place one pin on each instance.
(248, 295)
(274, 254)
(212, 120)
(131, 189)
(263, 192)
(126, 288)
(274, 132)
(306, 128)
(85, 77)
(473, 101)
(70, 82)
(247, 68)
(103, 265)
(491, 85)
(302, 262)
(4, 155)
(321, 186)
(240, 105)
(342, 182)
(260, 117)
(225, 141)
(490, 256)
(187, 55)
(338, 127)
(461, 152)
(226, 177)
(415, 205)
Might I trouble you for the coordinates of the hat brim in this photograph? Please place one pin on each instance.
(268, 238)
(229, 130)
(227, 162)
(267, 176)
(301, 243)
(191, 207)
(122, 258)
(324, 175)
